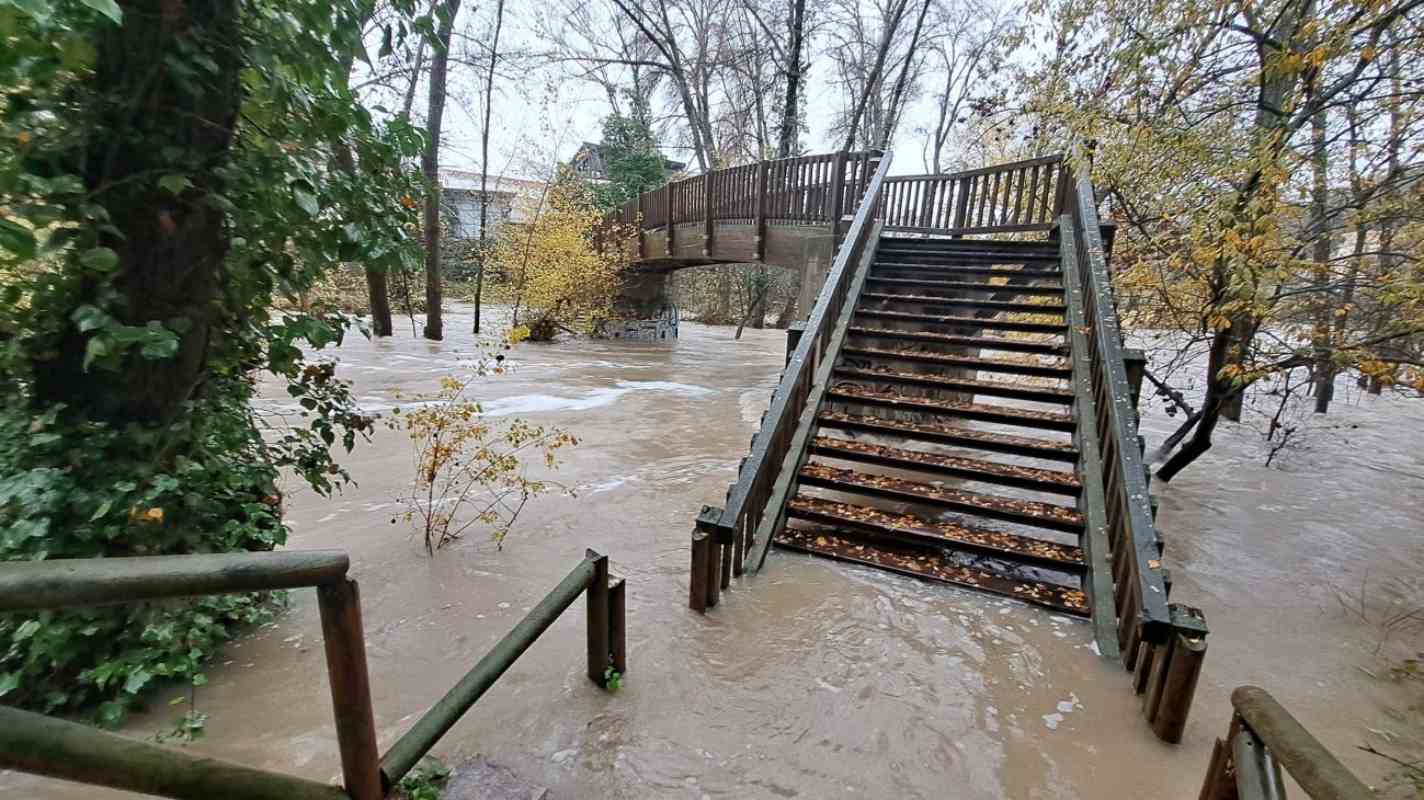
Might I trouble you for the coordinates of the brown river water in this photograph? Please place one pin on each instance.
(814, 679)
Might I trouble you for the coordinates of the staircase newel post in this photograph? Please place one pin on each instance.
(761, 210)
(836, 199)
(707, 214)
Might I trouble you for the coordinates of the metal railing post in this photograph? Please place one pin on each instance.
(345, 643)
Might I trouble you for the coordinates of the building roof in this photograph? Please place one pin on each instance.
(470, 180)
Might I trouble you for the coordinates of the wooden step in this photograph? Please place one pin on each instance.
(964, 302)
(848, 519)
(925, 271)
(971, 469)
(1060, 370)
(950, 340)
(955, 435)
(964, 322)
(967, 286)
(1006, 509)
(1016, 391)
(916, 563)
(1003, 415)
(966, 258)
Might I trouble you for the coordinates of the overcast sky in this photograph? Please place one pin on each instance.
(542, 115)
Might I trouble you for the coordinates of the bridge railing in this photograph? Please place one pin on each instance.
(1019, 197)
(1263, 737)
(723, 537)
(807, 190)
(42, 745)
(1164, 644)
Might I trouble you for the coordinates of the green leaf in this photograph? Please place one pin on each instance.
(27, 629)
(138, 679)
(17, 238)
(108, 8)
(95, 348)
(306, 201)
(100, 259)
(9, 682)
(174, 184)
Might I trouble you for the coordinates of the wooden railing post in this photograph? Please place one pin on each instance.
(345, 642)
(835, 194)
(596, 600)
(761, 200)
(670, 221)
(642, 216)
(961, 210)
(1135, 359)
(618, 626)
(707, 201)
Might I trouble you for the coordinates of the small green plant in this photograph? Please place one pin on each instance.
(425, 781)
(612, 679)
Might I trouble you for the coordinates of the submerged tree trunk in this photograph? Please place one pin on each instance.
(1324, 378)
(430, 165)
(1220, 395)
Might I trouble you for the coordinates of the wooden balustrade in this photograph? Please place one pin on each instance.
(1164, 644)
(1020, 197)
(1263, 737)
(724, 541)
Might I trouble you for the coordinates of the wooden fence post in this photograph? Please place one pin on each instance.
(642, 216)
(697, 588)
(761, 199)
(835, 199)
(345, 644)
(596, 600)
(707, 201)
(618, 626)
(1136, 362)
(670, 226)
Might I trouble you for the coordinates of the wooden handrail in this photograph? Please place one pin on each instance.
(1137, 548)
(723, 536)
(1262, 738)
(37, 744)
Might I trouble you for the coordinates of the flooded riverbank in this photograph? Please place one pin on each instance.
(815, 679)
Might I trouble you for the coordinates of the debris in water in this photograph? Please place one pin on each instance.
(1052, 720)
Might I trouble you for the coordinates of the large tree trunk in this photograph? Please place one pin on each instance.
(170, 248)
(484, 161)
(430, 165)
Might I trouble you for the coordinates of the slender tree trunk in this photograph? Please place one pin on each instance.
(790, 120)
(377, 287)
(430, 165)
(1218, 393)
(410, 88)
(897, 12)
(484, 161)
(1320, 254)
(892, 114)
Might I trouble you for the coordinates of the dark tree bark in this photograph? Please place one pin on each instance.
(887, 38)
(484, 160)
(170, 248)
(892, 120)
(430, 165)
(790, 121)
(1324, 383)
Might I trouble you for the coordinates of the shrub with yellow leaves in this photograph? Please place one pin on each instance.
(470, 469)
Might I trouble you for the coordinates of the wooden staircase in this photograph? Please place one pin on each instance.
(963, 410)
(943, 449)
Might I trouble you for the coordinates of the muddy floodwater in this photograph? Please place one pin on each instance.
(815, 679)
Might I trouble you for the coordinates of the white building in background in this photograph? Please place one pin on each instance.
(510, 200)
